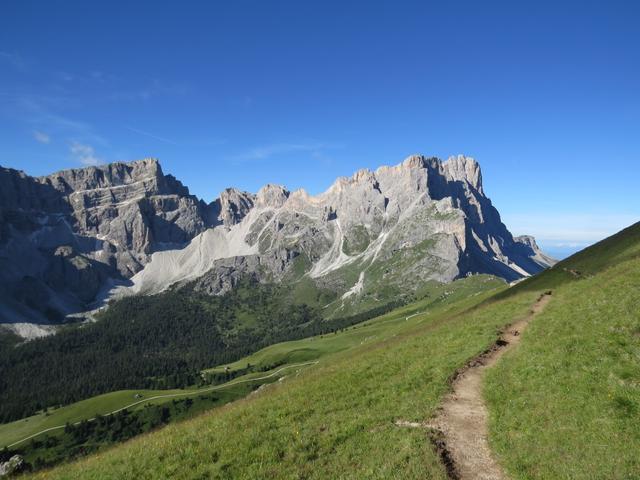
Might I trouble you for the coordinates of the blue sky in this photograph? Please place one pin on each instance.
(545, 95)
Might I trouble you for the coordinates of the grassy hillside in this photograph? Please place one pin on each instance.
(155, 342)
(275, 358)
(436, 297)
(78, 438)
(113, 401)
(335, 420)
(566, 404)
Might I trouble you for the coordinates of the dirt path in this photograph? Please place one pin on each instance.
(463, 418)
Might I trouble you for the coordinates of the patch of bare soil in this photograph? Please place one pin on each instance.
(461, 426)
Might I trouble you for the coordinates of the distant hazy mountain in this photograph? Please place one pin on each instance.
(70, 240)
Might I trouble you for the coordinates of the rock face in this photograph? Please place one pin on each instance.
(132, 209)
(67, 238)
(404, 225)
(12, 466)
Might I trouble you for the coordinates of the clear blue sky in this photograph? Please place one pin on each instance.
(545, 95)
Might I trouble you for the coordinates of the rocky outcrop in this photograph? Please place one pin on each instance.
(232, 206)
(79, 236)
(226, 273)
(424, 219)
(69, 234)
(132, 209)
(272, 196)
(12, 466)
(527, 245)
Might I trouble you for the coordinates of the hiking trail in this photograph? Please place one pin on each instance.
(462, 419)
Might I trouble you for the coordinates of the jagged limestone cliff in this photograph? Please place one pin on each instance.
(76, 237)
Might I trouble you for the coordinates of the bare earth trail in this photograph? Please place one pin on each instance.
(462, 419)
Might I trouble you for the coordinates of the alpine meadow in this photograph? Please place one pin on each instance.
(237, 241)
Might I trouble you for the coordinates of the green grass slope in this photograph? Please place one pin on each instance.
(101, 404)
(266, 361)
(335, 420)
(132, 400)
(78, 439)
(566, 403)
(436, 296)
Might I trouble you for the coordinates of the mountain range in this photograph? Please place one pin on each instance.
(73, 240)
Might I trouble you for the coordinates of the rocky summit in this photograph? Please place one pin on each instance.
(71, 240)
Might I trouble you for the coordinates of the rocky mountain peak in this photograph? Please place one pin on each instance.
(70, 233)
(272, 196)
(233, 205)
(363, 177)
(464, 169)
(74, 233)
(456, 168)
(105, 176)
(527, 240)
(414, 161)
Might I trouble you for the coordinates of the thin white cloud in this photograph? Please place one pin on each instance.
(154, 89)
(268, 151)
(84, 154)
(41, 137)
(95, 77)
(150, 135)
(38, 112)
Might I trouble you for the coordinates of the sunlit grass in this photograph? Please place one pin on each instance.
(566, 403)
(335, 420)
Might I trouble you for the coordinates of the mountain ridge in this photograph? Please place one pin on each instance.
(122, 228)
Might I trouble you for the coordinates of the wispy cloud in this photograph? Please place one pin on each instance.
(154, 89)
(41, 137)
(13, 59)
(267, 151)
(84, 154)
(93, 78)
(151, 135)
(41, 113)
